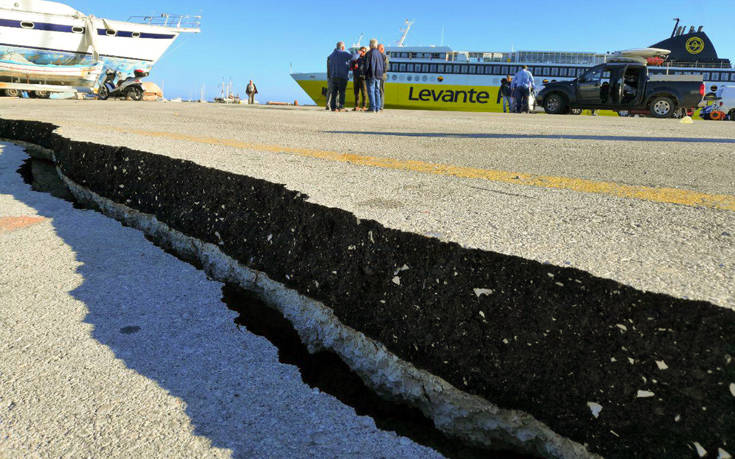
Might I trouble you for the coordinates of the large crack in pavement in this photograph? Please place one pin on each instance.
(624, 372)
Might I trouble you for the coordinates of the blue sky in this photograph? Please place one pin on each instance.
(263, 40)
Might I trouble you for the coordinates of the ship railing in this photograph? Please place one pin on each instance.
(705, 65)
(177, 21)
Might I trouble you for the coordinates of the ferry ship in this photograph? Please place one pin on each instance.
(54, 34)
(438, 78)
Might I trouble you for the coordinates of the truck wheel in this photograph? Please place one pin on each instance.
(662, 107)
(555, 104)
(41, 94)
(135, 93)
(12, 93)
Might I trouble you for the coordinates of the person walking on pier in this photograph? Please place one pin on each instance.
(386, 64)
(358, 80)
(339, 69)
(374, 75)
(251, 91)
(523, 81)
(504, 93)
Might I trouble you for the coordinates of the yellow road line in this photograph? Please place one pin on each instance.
(645, 193)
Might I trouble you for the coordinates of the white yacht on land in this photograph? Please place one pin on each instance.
(57, 38)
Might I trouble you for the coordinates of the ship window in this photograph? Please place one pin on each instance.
(432, 68)
(488, 69)
(27, 25)
(440, 68)
(732, 76)
(425, 67)
(395, 77)
(136, 35)
(464, 69)
(562, 72)
(77, 29)
(401, 67)
(497, 70)
(110, 32)
(473, 69)
(455, 68)
(424, 78)
(505, 70)
(705, 76)
(409, 68)
(408, 78)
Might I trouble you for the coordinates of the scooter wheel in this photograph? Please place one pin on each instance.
(103, 93)
(135, 93)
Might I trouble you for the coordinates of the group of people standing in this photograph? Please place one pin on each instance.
(369, 72)
(515, 91)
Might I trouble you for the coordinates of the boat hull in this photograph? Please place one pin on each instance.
(458, 95)
(70, 75)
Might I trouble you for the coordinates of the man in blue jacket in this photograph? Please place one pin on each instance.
(339, 69)
(374, 74)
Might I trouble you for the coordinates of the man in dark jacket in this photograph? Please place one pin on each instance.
(504, 93)
(339, 69)
(374, 74)
(358, 79)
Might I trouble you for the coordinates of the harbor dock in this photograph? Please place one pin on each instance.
(556, 270)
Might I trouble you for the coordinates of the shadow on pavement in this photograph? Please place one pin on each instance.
(615, 138)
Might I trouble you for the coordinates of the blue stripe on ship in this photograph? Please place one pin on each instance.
(68, 29)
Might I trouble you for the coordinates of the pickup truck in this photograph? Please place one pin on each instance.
(624, 85)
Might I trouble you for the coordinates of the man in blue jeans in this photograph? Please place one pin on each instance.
(339, 68)
(374, 74)
(523, 82)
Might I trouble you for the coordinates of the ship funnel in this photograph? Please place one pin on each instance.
(680, 31)
(691, 29)
(700, 28)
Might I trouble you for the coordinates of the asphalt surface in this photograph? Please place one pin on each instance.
(375, 165)
(112, 348)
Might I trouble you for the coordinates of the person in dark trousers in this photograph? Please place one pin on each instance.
(358, 80)
(523, 82)
(374, 75)
(329, 87)
(251, 91)
(386, 64)
(504, 93)
(339, 70)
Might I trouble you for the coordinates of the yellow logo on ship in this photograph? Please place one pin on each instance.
(695, 45)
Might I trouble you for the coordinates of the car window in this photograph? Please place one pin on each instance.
(591, 76)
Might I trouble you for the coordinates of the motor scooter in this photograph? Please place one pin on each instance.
(129, 87)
